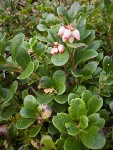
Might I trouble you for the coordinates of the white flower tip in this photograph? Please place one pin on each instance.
(71, 39)
(76, 34)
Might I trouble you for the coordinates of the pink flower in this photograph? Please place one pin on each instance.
(61, 49)
(71, 39)
(76, 34)
(67, 33)
(64, 39)
(61, 30)
(54, 51)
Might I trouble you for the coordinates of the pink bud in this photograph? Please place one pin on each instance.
(46, 91)
(54, 51)
(61, 30)
(67, 33)
(55, 44)
(39, 86)
(76, 34)
(71, 39)
(61, 49)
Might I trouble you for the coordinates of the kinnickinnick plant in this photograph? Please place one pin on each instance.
(57, 85)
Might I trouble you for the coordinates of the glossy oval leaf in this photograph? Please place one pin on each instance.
(30, 101)
(60, 120)
(107, 64)
(24, 123)
(27, 112)
(60, 59)
(72, 128)
(23, 58)
(72, 144)
(92, 139)
(77, 109)
(15, 44)
(27, 72)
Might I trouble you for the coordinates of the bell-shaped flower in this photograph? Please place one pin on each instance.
(61, 49)
(61, 31)
(54, 51)
(71, 39)
(76, 34)
(67, 33)
(64, 39)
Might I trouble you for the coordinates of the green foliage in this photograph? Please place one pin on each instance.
(56, 88)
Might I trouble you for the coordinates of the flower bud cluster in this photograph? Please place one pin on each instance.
(57, 48)
(46, 90)
(69, 33)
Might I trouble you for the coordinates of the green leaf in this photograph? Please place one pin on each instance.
(7, 112)
(59, 76)
(96, 120)
(51, 19)
(61, 99)
(27, 72)
(42, 27)
(15, 44)
(12, 131)
(92, 139)
(60, 87)
(72, 128)
(35, 130)
(60, 59)
(72, 144)
(95, 45)
(109, 80)
(72, 96)
(76, 45)
(107, 3)
(47, 143)
(52, 130)
(46, 82)
(2, 44)
(59, 144)
(94, 104)
(89, 38)
(77, 108)
(62, 12)
(82, 56)
(31, 102)
(83, 122)
(39, 49)
(111, 106)
(44, 98)
(24, 123)
(27, 112)
(107, 64)
(86, 96)
(58, 108)
(74, 9)
(80, 90)
(23, 58)
(12, 91)
(2, 60)
(89, 68)
(60, 120)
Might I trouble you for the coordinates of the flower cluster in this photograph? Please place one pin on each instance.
(47, 90)
(57, 48)
(69, 33)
